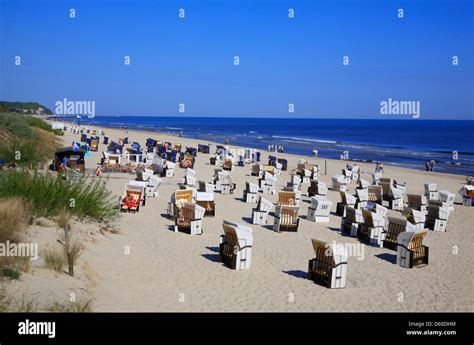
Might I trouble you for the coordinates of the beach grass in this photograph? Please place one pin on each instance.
(83, 305)
(15, 215)
(54, 259)
(49, 195)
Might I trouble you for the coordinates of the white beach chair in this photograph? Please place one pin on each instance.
(329, 267)
(362, 184)
(250, 193)
(340, 182)
(416, 219)
(372, 231)
(346, 200)
(317, 188)
(362, 197)
(352, 221)
(320, 209)
(296, 191)
(410, 249)
(152, 186)
(396, 201)
(417, 202)
(431, 191)
(287, 219)
(447, 198)
(269, 184)
(170, 169)
(438, 214)
(189, 219)
(260, 213)
(395, 227)
(376, 177)
(206, 200)
(235, 247)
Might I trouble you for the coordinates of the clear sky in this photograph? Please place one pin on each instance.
(282, 60)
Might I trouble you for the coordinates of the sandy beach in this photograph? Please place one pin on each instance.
(148, 267)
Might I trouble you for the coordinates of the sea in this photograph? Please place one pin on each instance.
(407, 143)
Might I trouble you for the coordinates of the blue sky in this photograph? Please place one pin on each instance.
(282, 60)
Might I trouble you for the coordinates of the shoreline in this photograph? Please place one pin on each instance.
(278, 154)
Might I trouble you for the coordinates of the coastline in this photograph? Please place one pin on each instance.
(145, 266)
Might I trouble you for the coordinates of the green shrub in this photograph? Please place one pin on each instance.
(16, 124)
(38, 123)
(50, 194)
(11, 273)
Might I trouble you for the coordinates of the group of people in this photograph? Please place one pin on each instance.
(430, 165)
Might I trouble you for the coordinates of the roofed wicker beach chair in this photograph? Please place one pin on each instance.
(372, 231)
(287, 219)
(396, 198)
(260, 213)
(189, 219)
(431, 191)
(447, 198)
(416, 219)
(187, 161)
(437, 218)
(227, 186)
(377, 208)
(395, 227)
(179, 198)
(352, 221)
(152, 187)
(317, 188)
(286, 198)
(205, 187)
(268, 183)
(204, 148)
(375, 194)
(417, 202)
(320, 209)
(169, 169)
(362, 198)
(346, 200)
(329, 267)
(228, 164)
(250, 193)
(376, 177)
(256, 170)
(190, 177)
(340, 182)
(206, 200)
(362, 184)
(295, 190)
(144, 175)
(411, 252)
(235, 249)
(132, 198)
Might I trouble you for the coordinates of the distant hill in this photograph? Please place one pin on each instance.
(30, 108)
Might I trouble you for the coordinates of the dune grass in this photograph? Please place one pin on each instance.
(15, 214)
(54, 259)
(49, 194)
(83, 305)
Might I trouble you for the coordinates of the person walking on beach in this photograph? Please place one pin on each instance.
(315, 153)
(427, 166)
(432, 164)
